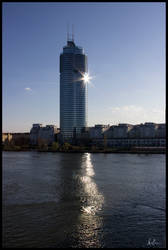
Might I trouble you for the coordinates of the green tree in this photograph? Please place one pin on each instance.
(105, 141)
(42, 144)
(55, 146)
(94, 148)
(66, 146)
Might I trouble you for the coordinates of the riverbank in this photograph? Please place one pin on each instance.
(137, 150)
(107, 151)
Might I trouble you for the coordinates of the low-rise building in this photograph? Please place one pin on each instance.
(161, 130)
(97, 131)
(127, 135)
(47, 134)
(147, 130)
(43, 135)
(6, 138)
(34, 133)
(20, 139)
(120, 131)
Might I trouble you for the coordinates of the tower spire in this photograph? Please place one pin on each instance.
(67, 31)
(72, 32)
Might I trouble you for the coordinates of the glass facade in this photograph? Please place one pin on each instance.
(73, 90)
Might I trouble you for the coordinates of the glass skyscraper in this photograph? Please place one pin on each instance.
(73, 90)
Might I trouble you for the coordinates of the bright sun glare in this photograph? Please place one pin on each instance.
(86, 78)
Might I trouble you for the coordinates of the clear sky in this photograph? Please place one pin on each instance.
(125, 45)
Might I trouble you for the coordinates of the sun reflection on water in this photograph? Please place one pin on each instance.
(90, 219)
(94, 199)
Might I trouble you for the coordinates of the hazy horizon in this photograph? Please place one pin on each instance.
(125, 45)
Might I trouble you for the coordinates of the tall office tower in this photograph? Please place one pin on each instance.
(73, 90)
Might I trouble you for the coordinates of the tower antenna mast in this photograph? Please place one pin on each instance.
(72, 32)
(67, 31)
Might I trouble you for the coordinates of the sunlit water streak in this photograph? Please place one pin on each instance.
(91, 203)
(94, 198)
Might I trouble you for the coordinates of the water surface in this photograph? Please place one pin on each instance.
(83, 200)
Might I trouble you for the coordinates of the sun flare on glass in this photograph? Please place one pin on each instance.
(86, 78)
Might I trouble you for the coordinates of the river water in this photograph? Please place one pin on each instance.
(83, 200)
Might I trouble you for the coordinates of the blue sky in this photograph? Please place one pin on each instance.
(125, 45)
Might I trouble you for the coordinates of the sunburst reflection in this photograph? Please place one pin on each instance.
(90, 220)
(85, 77)
(95, 199)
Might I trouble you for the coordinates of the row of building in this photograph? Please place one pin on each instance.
(123, 130)
(16, 138)
(127, 135)
(147, 134)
